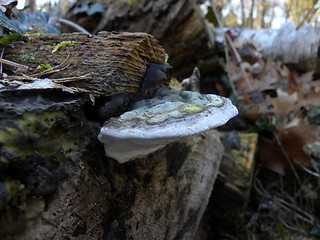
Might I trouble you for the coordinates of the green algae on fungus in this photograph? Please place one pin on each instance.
(193, 108)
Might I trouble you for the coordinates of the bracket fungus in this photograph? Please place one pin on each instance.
(170, 116)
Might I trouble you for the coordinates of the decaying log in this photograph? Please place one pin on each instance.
(229, 199)
(174, 23)
(55, 181)
(288, 44)
(104, 65)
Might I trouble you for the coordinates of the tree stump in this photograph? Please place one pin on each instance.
(56, 182)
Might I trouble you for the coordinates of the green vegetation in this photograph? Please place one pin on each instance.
(166, 57)
(131, 2)
(29, 57)
(44, 66)
(7, 38)
(63, 43)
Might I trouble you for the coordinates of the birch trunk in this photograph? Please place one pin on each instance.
(288, 44)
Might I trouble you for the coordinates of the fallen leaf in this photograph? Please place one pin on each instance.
(284, 103)
(292, 141)
(271, 156)
(313, 98)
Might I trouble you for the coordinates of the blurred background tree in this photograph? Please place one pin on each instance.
(246, 13)
(268, 13)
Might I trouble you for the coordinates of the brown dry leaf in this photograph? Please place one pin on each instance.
(313, 97)
(304, 82)
(284, 103)
(242, 85)
(316, 85)
(292, 142)
(282, 70)
(305, 78)
(293, 139)
(267, 76)
(292, 83)
(252, 106)
(275, 72)
(271, 74)
(271, 156)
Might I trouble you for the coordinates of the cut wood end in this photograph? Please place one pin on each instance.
(116, 62)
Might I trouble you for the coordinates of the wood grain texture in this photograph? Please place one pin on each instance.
(113, 62)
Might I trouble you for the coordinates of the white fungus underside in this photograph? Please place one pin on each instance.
(147, 129)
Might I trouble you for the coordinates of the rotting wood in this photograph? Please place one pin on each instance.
(174, 23)
(111, 62)
(229, 199)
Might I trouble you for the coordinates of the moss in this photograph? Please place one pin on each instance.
(44, 66)
(25, 131)
(7, 38)
(282, 230)
(63, 43)
(34, 34)
(8, 138)
(166, 58)
(131, 2)
(28, 57)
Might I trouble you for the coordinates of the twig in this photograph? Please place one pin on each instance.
(209, 33)
(302, 214)
(306, 17)
(286, 224)
(306, 169)
(74, 25)
(8, 62)
(287, 157)
(260, 189)
(1, 63)
(227, 69)
(205, 23)
(229, 41)
(56, 80)
(22, 78)
(53, 69)
(70, 79)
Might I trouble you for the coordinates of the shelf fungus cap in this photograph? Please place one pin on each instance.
(169, 117)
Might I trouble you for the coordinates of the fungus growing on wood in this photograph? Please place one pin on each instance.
(169, 117)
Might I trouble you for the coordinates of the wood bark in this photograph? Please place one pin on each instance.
(105, 64)
(174, 23)
(227, 207)
(56, 182)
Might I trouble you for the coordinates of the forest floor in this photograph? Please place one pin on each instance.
(282, 105)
